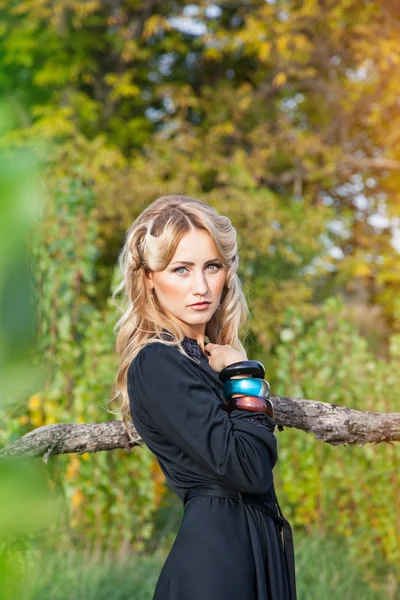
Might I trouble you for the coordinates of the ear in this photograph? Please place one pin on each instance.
(149, 277)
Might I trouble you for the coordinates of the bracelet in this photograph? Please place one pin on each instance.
(251, 403)
(248, 386)
(244, 367)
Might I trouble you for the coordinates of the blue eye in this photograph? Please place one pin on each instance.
(215, 265)
(210, 265)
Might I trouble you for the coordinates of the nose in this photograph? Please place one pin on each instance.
(200, 286)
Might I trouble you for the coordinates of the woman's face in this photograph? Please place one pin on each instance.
(194, 274)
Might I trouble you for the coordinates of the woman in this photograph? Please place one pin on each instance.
(178, 253)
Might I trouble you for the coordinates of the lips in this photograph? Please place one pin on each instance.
(199, 303)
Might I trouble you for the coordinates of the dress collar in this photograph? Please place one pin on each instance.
(190, 345)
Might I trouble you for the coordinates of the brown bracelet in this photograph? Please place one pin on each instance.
(251, 403)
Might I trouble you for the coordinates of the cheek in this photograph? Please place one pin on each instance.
(171, 289)
(217, 282)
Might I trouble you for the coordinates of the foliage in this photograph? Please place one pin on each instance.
(294, 98)
(324, 570)
(352, 491)
(74, 346)
(283, 115)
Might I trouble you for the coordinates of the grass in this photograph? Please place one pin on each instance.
(324, 572)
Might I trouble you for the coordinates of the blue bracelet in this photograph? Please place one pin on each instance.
(248, 386)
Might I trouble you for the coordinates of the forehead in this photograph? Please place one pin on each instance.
(195, 246)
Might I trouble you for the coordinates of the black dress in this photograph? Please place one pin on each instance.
(229, 544)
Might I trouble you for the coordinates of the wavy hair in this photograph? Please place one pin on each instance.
(150, 244)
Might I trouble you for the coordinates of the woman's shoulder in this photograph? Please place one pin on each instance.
(155, 354)
(157, 348)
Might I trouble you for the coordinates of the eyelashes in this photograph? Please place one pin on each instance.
(210, 265)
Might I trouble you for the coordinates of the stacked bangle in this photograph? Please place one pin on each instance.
(243, 367)
(253, 404)
(246, 386)
(255, 391)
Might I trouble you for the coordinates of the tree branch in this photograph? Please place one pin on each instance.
(67, 438)
(331, 423)
(347, 165)
(337, 425)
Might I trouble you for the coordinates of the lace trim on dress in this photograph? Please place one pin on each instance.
(192, 348)
(190, 345)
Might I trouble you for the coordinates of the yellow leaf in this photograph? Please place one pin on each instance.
(50, 420)
(281, 44)
(154, 25)
(362, 270)
(159, 482)
(279, 79)
(72, 468)
(37, 419)
(212, 54)
(77, 498)
(51, 406)
(34, 402)
(264, 51)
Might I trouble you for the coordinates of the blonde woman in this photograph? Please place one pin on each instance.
(179, 265)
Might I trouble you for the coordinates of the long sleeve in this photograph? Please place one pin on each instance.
(190, 415)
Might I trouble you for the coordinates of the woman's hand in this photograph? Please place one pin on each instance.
(220, 356)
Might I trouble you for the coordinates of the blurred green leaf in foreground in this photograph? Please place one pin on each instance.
(20, 205)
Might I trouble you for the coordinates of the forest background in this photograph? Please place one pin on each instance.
(284, 115)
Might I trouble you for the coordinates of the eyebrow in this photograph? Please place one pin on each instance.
(187, 262)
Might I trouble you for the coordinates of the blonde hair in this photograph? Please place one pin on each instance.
(150, 244)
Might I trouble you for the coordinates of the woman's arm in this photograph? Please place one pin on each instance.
(191, 416)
